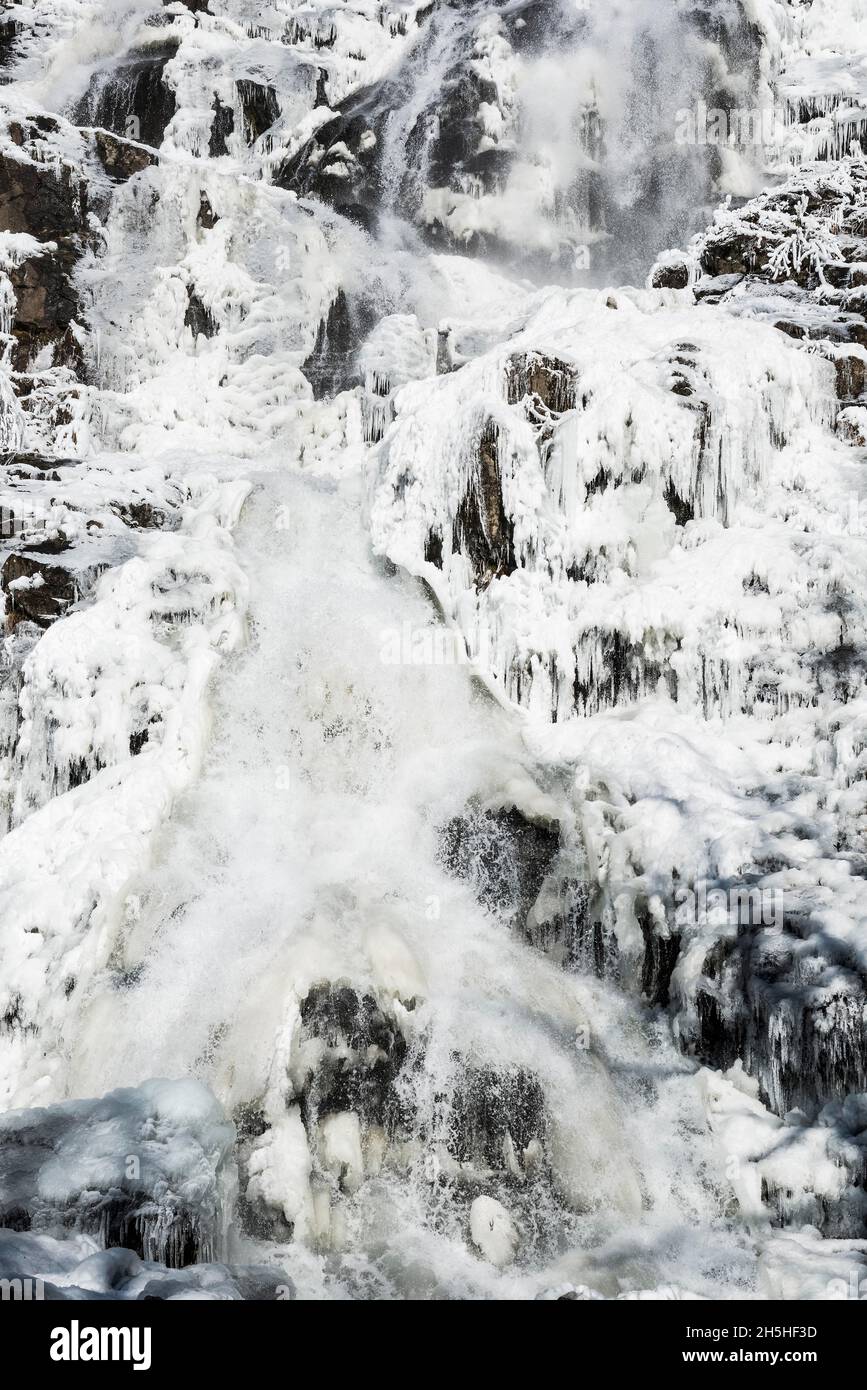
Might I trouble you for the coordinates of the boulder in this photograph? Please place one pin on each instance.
(138, 1169)
(122, 158)
(48, 202)
(670, 275)
(37, 589)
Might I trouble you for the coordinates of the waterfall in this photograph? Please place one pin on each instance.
(429, 652)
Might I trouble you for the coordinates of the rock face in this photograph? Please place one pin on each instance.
(198, 318)
(259, 107)
(332, 365)
(9, 31)
(674, 275)
(497, 1117)
(222, 126)
(133, 99)
(125, 1170)
(482, 530)
(457, 161)
(36, 589)
(505, 856)
(795, 1014)
(121, 158)
(47, 200)
(363, 1091)
(363, 1054)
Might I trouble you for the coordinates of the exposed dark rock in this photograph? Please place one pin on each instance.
(445, 362)
(198, 318)
(206, 216)
(792, 330)
(670, 276)
(143, 516)
(47, 595)
(449, 148)
(259, 107)
(660, 957)
(541, 381)
(850, 374)
(433, 549)
(735, 253)
(331, 367)
(36, 463)
(47, 303)
(482, 529)
(852, 427)
(682, 509)
(495, 1116)
(351, 182)
(343, 163)
(49, 203)
(222, 126)
(564, 925)
(625, 671)
(10, 29)
(505, 856)
(132, 99)
(358, 1054)
(792, 1014)
(122, 158)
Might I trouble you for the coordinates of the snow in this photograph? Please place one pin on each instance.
(493, 1231)
(228, 764)
(77, 1268)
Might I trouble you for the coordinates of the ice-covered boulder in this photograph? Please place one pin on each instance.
(139, 1169)
(41, 1267)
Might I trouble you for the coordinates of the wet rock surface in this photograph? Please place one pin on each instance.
(505, 856)
(133, 99)
(364, 1052)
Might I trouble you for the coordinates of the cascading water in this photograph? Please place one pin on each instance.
(355, 793)
(543, 135)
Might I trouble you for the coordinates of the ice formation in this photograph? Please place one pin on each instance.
(432, 699)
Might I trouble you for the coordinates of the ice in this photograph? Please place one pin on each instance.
(76, 1269)
(457, 645)
(139, 1169)
(492, 1231)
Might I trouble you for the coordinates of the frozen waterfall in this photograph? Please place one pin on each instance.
(433, 686)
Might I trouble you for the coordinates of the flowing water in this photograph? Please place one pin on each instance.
(393, 1051)
(308, 853)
